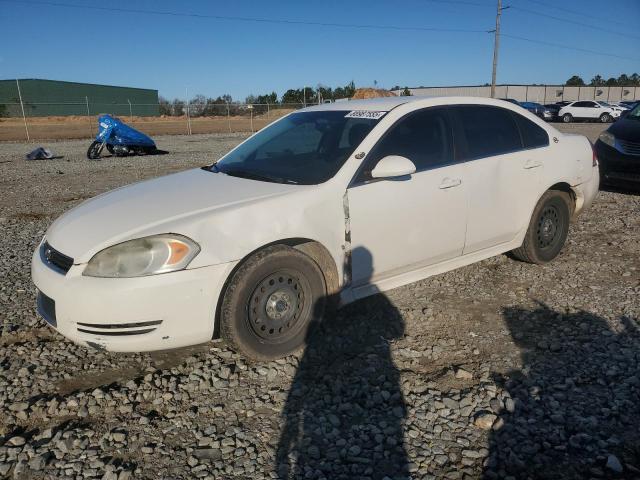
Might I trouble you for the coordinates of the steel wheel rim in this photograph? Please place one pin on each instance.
(278, 306)
(549, 227)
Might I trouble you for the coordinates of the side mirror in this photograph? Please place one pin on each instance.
(393, 166)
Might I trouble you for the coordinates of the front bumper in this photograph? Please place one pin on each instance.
(617, 167)
(157, 312)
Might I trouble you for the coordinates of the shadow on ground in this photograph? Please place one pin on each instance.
(575, 402)
(344, 413)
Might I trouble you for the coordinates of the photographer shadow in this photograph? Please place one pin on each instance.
(573, 410)
(345, 410)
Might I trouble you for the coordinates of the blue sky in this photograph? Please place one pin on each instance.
(213, 57)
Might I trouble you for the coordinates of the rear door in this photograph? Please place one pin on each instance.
(503, 176)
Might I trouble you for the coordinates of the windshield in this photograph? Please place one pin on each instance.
(305, 147)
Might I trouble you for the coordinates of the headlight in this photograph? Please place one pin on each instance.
(608, 138)
(143, 256)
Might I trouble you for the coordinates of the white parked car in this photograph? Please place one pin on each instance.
(588, 110)
(325, 206)
(618, 105)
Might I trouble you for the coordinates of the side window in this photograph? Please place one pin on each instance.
(533, 136)
(581, 104)
(593, 105)
(488, 130)
(424, 137)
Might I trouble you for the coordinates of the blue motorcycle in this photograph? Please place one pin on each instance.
(120, 139)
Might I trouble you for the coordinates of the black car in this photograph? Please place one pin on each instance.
(554, 108)
(618, 151)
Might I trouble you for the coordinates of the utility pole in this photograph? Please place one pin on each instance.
(496, 47)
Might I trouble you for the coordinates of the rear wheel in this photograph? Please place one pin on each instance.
(547, 230)
(93, 153)
(270, 302)
(567, 118)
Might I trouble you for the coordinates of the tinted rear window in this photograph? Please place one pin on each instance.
(533, 136)
(488, 130)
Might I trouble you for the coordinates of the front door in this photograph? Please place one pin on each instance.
(400, 224)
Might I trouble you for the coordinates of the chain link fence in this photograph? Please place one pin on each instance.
(48, 121)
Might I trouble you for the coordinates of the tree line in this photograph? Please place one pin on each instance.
(201, 105)
(623, 80)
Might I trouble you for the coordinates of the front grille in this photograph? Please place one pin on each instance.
(119, 329)
(54, 259)
(47, 309)
(630, 148)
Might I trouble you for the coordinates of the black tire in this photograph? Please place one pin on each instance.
(605, 118)
(93, 152)
(547, 230)
(567, 118)
(270, 301)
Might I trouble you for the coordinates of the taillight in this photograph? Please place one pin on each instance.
(594, 161)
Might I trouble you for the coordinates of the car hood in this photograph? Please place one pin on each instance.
(626, 129)
(152, 206)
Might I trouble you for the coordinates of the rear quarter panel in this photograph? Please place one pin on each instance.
(570, 160)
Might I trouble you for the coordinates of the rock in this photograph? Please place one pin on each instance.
(484, 420)
(313, 452)
(17, 441)
(509, 405)
(18, 406)
(463, 374)
(334, 420)
(355, 450)
(37, 463)
(614, 464)
(209, 454)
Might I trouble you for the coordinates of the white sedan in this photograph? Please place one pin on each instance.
(327, 205)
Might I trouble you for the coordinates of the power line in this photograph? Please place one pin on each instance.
(245, 19)
(582, 14)
(574, 22)
(568, 47)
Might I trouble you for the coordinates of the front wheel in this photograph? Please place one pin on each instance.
(93, 153)
(605, 118)
(270, 302)
(547, 230)
(567, 118)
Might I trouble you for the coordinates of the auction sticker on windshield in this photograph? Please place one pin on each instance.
(365, 114)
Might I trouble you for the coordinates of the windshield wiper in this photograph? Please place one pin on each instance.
(236, 172)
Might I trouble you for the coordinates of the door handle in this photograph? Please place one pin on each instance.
(532, 164)
(450, 182)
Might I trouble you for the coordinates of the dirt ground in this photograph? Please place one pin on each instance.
(71, 127)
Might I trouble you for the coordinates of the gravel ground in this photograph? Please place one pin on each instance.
(496, 370)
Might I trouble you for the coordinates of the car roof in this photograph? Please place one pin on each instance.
(385, 104)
